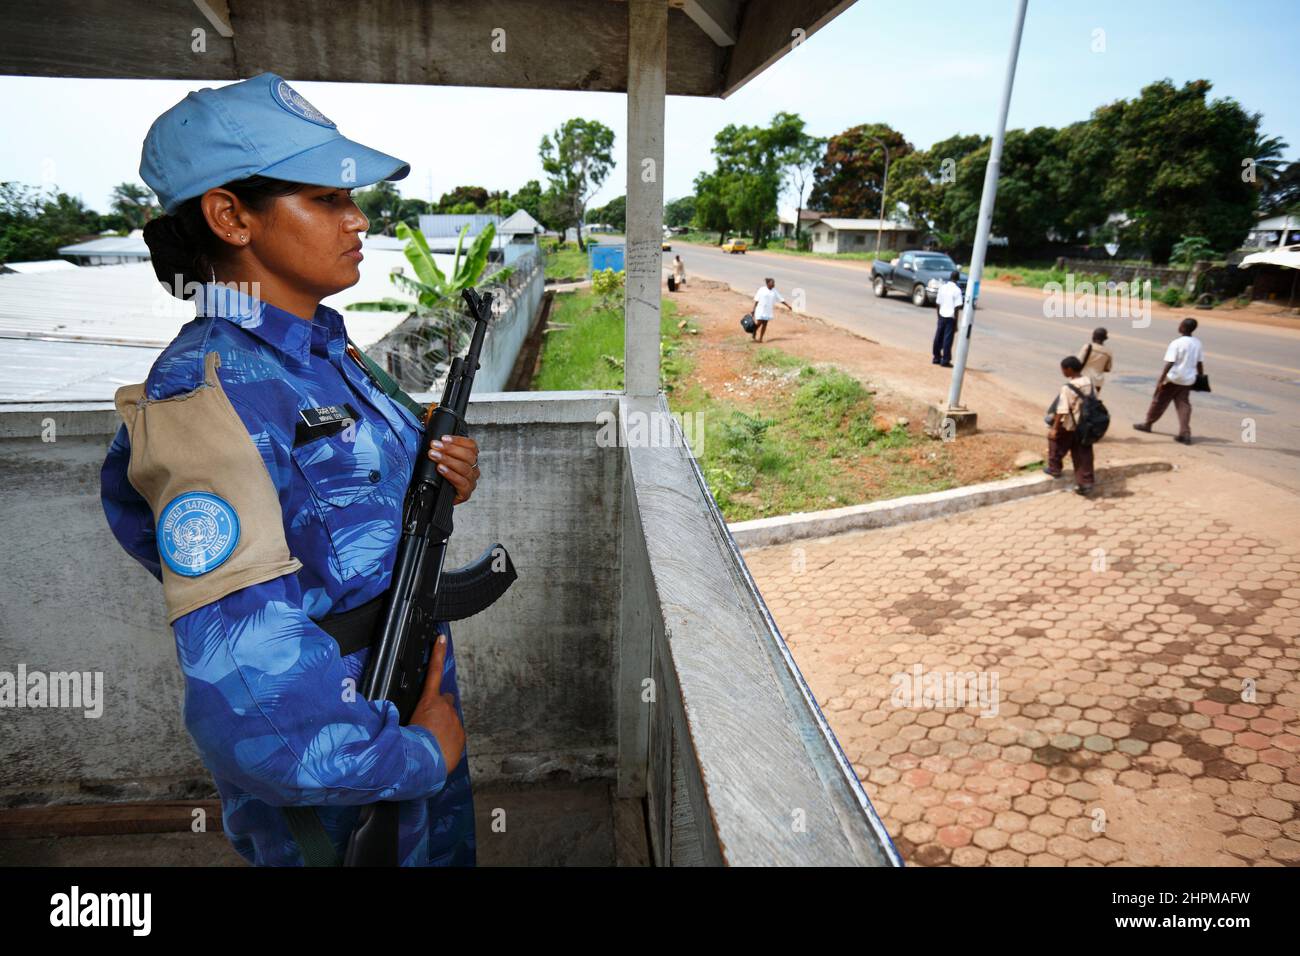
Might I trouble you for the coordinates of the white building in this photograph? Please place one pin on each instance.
(442, 231)
(785, 220)
(859, 235)
(109, 251)
(1273, 232)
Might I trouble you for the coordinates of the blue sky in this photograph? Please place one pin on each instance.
(929, 73)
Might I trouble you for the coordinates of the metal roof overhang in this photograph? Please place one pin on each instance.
(714, 46)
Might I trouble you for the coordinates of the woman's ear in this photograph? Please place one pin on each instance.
(226, 217)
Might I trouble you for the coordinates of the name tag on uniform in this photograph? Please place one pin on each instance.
(323, 421)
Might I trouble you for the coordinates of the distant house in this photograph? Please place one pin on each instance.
(859, 235)
(448, 225)
(519, 228)
(109, 250)
(442, 230)
(785, 220)
(1273, 232)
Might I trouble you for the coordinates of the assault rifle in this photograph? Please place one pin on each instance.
(421, 593)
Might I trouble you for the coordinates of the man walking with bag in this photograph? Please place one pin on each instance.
(1184, 373)
(765, 302)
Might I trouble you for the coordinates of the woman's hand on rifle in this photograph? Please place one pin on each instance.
(436, 711)
(457, 458)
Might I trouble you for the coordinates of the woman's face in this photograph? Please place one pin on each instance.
(310, 239)
(301, 247)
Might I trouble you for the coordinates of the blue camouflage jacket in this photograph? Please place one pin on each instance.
(266, 691)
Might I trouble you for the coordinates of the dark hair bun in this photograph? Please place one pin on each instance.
(177, 253)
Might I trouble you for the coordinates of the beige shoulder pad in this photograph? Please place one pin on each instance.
(196, 442)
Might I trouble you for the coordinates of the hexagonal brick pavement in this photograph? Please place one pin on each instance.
(1139, 664)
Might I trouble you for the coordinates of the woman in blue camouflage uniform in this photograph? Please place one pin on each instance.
(260, 474)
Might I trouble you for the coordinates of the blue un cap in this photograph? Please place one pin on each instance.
(261, 126)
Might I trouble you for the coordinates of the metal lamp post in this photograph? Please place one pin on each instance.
(884, 186)
(985, 215)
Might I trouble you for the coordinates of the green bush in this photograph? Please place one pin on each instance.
(608, 286)
(1172, 297)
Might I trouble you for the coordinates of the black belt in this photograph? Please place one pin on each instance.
(354, 629)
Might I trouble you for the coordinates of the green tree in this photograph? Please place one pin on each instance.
(410, 210)
(459, 197)
(849, 179)
(500, 204)
(1173, 165)
(613, 212)
(577, 158)
(679, 212)
(919, 179)
(741, 191)
(1283, 194)
(797, 155)
(1189, 249)
(135, 204)
(529, 198)
(711, 211)
(34, 223)
(1026, 211)
(382, 205)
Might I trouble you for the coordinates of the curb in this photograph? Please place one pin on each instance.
(762, 532)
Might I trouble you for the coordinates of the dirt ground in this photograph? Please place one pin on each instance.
(904, 382)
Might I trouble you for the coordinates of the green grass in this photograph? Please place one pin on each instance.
(805, 451)
(588, 354)
(566, 262)
(886, 254)
(1037, 275)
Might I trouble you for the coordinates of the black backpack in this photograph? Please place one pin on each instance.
(1093, 419)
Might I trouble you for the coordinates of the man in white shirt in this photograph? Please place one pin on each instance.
(765, 302)
(1184, 361)
(947, 302)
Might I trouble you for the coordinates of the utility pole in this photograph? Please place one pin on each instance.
(962, 419)
(884, 185)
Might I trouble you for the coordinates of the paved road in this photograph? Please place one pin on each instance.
(1255, 370)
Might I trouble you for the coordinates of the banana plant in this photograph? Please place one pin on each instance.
(430, 287)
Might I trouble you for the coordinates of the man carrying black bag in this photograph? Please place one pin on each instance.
(1184, 373)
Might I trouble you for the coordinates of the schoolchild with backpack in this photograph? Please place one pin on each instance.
(1080, 421)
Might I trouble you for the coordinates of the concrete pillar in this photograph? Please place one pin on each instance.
(647, 70)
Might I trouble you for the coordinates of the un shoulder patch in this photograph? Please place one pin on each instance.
(197, 531)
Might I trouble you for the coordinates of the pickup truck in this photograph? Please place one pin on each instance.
(916, 273)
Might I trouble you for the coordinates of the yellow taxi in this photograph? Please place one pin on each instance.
(735, 245)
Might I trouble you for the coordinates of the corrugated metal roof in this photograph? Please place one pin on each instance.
(38, 265)
(448, 225)
(78, 335)
(108, 246)
(866, 224)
